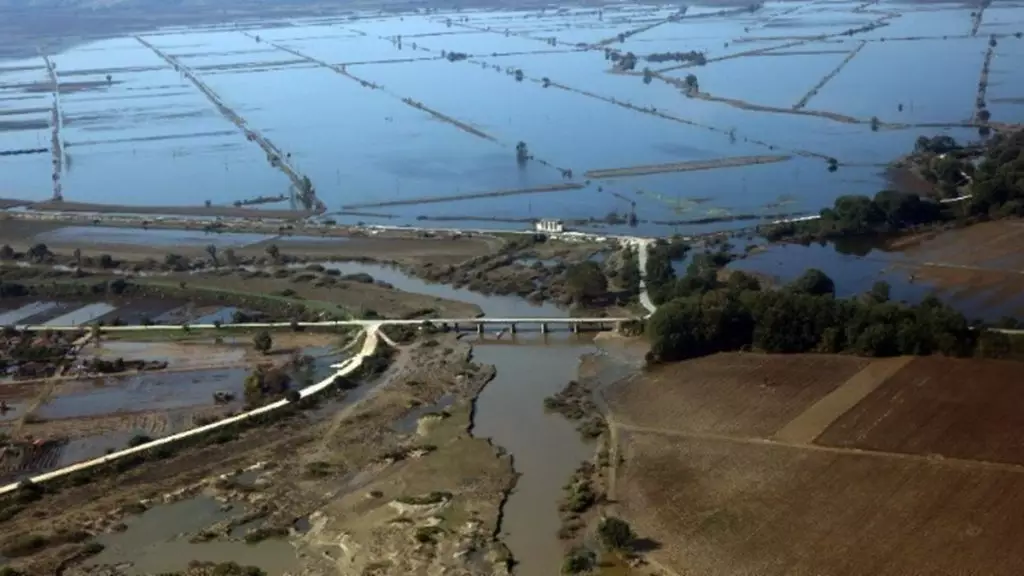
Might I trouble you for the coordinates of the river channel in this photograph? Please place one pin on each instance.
(545, 448)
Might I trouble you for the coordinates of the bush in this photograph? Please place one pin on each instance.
(616, 534)
(139, 440)
(578, 560)
(293, 396)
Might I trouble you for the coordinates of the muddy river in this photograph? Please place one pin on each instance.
(545, 447)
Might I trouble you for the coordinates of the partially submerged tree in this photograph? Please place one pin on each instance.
(263, 342)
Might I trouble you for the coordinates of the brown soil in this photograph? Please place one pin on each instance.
(733, 393)
(727, 507)
(951, 407)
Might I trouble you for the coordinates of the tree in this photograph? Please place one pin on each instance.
(616, 534)
(814, 282)
(230, 258)
(39, 253)
(879, 292)
(692, 85)
(263, 341)
(78, 257)
(211, 249)
(577, 561)
(293, 396)
(522, 153)
(274, 252)
(629, 273)
(586, 281)
(6, 252)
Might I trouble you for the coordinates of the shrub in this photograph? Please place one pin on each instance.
(578, 560)
(616, 534)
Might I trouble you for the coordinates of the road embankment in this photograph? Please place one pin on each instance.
(689, 166)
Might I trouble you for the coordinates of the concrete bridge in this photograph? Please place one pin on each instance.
(479, 324)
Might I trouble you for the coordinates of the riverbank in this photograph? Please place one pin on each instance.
(374, 458)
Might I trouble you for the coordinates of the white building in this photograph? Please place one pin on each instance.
(549, 225)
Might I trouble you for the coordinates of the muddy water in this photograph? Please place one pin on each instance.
(546, 448)
(494, 306)
(157, 542)
(145, 392)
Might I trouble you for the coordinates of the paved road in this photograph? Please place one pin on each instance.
(642, 246)
(343, 369)
(336, 323)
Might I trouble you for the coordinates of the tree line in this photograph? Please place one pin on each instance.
(702, 314)
(995, 188)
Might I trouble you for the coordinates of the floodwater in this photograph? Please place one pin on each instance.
(145, 392)
(180, 148)
(156, 541)
(545, 448)
(150, 237)
(83, 315)
(494, 306)
(855, 267)
(11, 317)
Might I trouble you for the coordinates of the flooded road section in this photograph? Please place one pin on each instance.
(545, 448)
(156, 542)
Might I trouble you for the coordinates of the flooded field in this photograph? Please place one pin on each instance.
(157, 541)
(376, 109)
(976, 270)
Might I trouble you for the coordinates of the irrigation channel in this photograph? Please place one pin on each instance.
(545, 448)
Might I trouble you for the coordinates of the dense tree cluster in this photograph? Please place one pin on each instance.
(806, 317)
(996, 189)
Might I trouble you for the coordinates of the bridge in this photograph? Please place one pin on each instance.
(478, 324)
(372, 338)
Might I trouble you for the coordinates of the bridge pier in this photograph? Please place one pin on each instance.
(480, 328)
(455, 326)
(512, 328)
(543, 327)
(575, 327)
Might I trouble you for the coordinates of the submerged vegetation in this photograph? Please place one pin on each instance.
(701, 315)
(995, 189)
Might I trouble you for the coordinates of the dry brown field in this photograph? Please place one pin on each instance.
(968, 409)
(721, 507)
(735, 393)
(918, 470)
